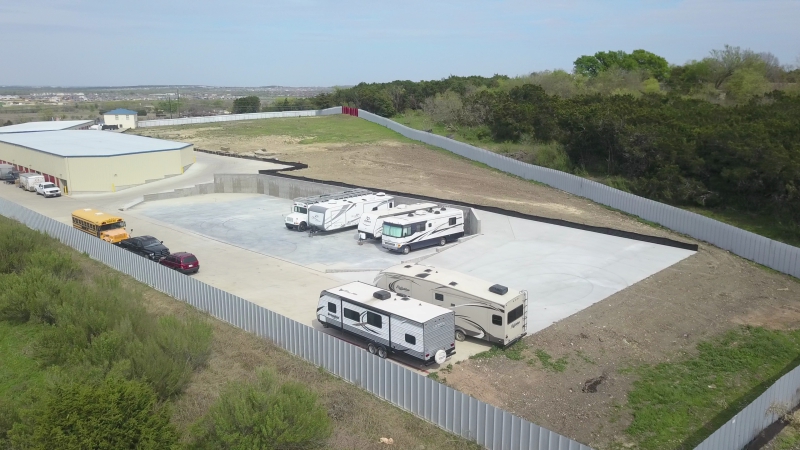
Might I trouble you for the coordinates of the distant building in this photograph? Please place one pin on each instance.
(125, 118)
(53, 125)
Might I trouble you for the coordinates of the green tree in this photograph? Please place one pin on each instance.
(724, 62)
(111, 414)
(264, 415)
(639, 60)
(244, 105)
(745, 83)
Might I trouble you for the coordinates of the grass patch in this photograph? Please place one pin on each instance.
(548, 363)
(678, 404)
(512, 352)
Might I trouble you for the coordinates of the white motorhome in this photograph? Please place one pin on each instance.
(346, 212)
(28, 181)
(422, 228)
(371, 224)
(298, 218)
(391, 323)
(483, 310)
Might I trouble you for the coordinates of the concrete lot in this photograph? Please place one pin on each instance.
(564, 270)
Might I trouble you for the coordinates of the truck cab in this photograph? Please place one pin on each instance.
(298, 218)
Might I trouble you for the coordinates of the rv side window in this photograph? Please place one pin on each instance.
(407, 231)
(374, 319)
(515, 314)
(452, 221)
(439, 297)
(411, 339)
(497, 320)
(350, 314)
(332, 307)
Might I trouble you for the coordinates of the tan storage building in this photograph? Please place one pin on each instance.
(95, 161)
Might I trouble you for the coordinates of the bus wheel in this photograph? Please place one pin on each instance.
(302, 226)
(460, 336)
(382, 352)
(406, 249)
(371, 348)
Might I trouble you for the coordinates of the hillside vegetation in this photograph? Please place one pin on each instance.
(721, 135)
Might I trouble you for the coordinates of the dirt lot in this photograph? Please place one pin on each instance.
(653, 321)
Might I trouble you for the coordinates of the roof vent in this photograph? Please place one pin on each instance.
(422, 275)
(428, 270)
(437, 212)
(408, 266)
(498, 289)
(381, 295)
(453, 283)
(410, 214)
(443, 208)
(405, 298)
(380, 194)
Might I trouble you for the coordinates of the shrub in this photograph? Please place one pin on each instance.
(111, 414)
(264, 415)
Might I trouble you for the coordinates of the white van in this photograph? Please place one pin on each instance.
(371, 224)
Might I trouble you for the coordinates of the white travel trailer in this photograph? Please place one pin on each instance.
(391, 323)
(298, 218)
(28, 181)
(483, 310)
(346, 212)
(422, 228)
(371, 224)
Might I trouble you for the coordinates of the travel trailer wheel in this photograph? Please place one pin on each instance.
(406, 249)
(460, 335)
(371, 348)
(382, 352)
(442, 241)
(302, 226)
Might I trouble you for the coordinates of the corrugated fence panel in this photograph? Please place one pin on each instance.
(234, 117)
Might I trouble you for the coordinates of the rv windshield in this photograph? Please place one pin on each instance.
(300, 209)
(395, 230)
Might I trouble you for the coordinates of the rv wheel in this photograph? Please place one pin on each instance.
(406, 249)
(460, 335)
(442, 241)
(302, 226)
(371, 348)
(382, 352)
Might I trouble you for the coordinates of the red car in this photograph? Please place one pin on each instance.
(182, 262)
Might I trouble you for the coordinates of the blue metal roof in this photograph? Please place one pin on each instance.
(80, 143)
(121, 112)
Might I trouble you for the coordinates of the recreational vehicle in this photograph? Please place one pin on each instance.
(391, 323)
(483, 310)
(371, 224)
(345, 212)
(298, 218)
(422, 228)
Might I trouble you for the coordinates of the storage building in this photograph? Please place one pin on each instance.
(124, 118)
(85, 161)
(53, 125)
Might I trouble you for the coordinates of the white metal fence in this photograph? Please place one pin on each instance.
(234, 117)
(773, 254)
(444, 406)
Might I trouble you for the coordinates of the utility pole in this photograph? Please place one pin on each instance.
(169, 99)
(179, 102)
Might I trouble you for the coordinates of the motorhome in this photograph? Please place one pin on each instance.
(298, 217)
(28, 181)
(422, 228)
(483, 310)
(371, 224)
(346, 212)
(390, 323)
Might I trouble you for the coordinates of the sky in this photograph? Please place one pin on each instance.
(344, 42)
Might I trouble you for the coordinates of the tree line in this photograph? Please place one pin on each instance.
(721, 131)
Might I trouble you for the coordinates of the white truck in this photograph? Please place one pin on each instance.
(422, 228)
(298, 218)
(483, 310)
(48, 189)
(390, 323)
(371, 224)
(28, 181)
(345, 212)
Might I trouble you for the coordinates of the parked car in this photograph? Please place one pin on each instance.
(147, 246)
(183, 262)
(48, 189)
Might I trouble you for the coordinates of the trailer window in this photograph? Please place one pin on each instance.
(332, 307)
(374, 319)
(411, 339)
(439, 297)
(350, 314)
(452, 221)
(497, 320)
(515, 314)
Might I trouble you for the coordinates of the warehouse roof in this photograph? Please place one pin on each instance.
(52, 125)
(120, 112)
(74, 143)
